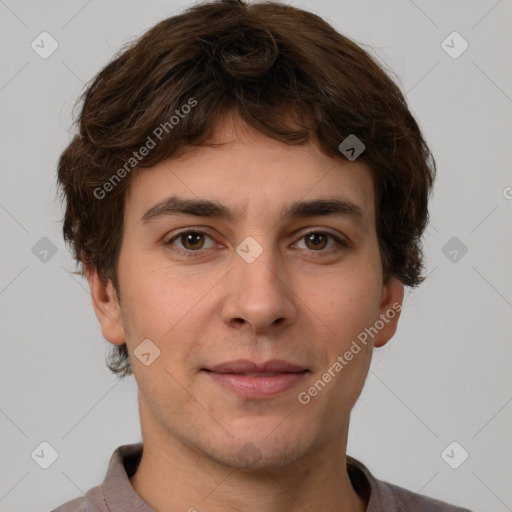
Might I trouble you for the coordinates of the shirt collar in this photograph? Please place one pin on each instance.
(119, 493)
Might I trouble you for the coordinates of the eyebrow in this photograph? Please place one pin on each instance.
(173, 206)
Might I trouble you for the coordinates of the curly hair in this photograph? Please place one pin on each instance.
(287, 73)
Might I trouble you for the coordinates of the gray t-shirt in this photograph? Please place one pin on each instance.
(116, 494)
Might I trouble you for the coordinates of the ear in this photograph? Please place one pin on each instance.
(106, 306)
(390, 307)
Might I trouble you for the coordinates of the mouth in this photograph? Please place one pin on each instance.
(251, 380)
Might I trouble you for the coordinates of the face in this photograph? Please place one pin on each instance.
(252, 304)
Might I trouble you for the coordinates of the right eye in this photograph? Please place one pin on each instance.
(191, 241)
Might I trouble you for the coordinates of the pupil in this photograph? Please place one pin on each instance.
(313, 237)
(190, 239)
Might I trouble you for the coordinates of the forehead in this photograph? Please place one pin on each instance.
(249, 172)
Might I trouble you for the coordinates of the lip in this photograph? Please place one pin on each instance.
(275, 377)
(246, 366)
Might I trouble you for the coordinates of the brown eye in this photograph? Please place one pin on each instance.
(188, 243)
(192, 240)
(316, 241)
(322, 242)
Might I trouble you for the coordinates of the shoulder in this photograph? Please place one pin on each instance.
(386, 497)
(93, 501)
(116, 491)
(402, 500)
(76, 505)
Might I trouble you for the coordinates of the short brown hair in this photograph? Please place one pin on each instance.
(285, 72)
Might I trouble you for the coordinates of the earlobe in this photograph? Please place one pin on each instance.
(106, 306)
(390, 307)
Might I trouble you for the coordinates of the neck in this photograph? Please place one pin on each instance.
(172, 476)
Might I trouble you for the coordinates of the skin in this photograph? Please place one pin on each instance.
(301, 301)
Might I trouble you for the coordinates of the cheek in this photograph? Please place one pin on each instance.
(165, 306)
(346, 303)
(155, 296)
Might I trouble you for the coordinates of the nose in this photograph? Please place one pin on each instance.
(258, 293)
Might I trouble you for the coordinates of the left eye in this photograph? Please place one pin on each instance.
(317, 240)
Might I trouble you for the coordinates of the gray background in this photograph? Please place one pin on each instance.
(446, 376)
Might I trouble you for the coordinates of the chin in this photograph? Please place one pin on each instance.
(260, 452)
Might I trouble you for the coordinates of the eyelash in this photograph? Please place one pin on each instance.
(197, 253)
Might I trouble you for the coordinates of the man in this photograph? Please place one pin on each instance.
(247, 195)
